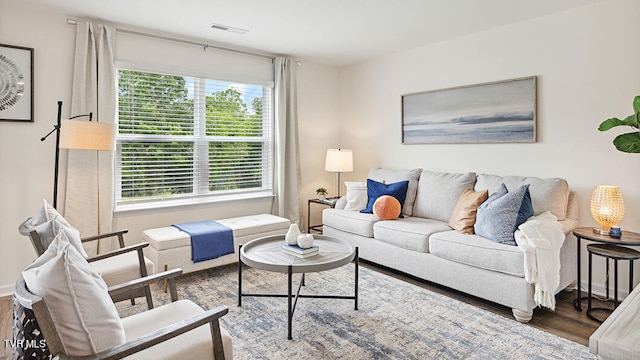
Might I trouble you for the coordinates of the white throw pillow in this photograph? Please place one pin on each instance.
(51, 214)
(356, 195)
(50, 229)
(86, 318)
(48, 223)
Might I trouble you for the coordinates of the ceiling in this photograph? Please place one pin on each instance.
(333, 32)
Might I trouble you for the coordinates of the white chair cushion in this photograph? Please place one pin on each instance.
(195, 344)
(121, 268)
(86, 319)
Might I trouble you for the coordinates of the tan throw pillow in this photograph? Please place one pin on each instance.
(463, 216)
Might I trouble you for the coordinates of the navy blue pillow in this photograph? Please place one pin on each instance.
(376, 189)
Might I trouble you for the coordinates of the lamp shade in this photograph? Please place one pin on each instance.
(339, 160)
(607, 207)
(87, 135)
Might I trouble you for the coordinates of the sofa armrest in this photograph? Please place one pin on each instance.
(571, 220)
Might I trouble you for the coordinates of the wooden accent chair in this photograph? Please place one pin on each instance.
(117, 266)
(177, 330)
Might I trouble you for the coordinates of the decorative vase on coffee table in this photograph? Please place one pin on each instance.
(291, 237)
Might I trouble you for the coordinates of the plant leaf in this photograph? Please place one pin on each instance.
(629, 142)
(630, 120)
(610, 123)
(636, 104)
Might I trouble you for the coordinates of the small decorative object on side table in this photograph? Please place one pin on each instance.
(322, 194)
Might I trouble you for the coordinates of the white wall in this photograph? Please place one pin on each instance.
(586, 61)
(26, 164)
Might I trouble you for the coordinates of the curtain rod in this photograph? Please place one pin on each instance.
(205, 46)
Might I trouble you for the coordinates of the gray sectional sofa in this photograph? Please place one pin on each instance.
(423, 245)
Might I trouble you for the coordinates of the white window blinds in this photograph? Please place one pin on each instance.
(190, 137)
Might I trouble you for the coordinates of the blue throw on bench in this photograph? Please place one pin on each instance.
(209, 239)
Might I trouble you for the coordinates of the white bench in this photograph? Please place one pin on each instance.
(170, 248)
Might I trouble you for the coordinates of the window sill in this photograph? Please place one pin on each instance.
(161, 206)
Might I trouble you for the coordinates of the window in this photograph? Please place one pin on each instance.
(183, 138)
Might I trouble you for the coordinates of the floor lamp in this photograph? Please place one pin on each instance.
(81, 135)
(339, 161)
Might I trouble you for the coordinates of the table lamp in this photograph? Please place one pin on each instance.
(607, 207)
(339, 161)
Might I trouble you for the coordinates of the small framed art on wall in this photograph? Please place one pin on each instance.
(16, 83)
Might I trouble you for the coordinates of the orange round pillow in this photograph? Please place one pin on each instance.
(387, 207)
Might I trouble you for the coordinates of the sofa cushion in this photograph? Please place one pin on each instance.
(477, 251)
(376, 189)
(546, 194)
(463, 216)
(499, 217)
(438, 193)
(349, 221)
(356, 195)
(388, 176)
(408, 233)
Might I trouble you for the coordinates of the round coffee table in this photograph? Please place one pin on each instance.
(267, 254)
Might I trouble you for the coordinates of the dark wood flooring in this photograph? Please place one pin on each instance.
(565, 321)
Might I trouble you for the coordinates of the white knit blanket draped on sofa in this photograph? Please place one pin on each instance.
(540, 239)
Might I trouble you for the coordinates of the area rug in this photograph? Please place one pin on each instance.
(394, 320)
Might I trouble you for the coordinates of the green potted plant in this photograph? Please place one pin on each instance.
(322, 193)
(629, 142)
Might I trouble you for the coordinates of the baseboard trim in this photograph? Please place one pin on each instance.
(6, 290)
(600, 291)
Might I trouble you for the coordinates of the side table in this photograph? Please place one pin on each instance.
(628, 238)
(615, 253)
(331, 202)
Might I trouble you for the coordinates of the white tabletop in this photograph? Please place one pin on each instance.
(267, 254)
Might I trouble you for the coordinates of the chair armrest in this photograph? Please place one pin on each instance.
(120, 289)
(119, 234)
(126, 249)
(163, 334)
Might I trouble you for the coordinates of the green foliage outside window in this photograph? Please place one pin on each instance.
(159, 144)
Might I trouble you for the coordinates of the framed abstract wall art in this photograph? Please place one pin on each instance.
(16, 83)
(497, 112)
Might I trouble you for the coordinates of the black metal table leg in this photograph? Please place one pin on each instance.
(589, 291)
(615, 283)
(239, 277)
(630, 276)
(356, 280)
(577, 303)
(289, 309)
